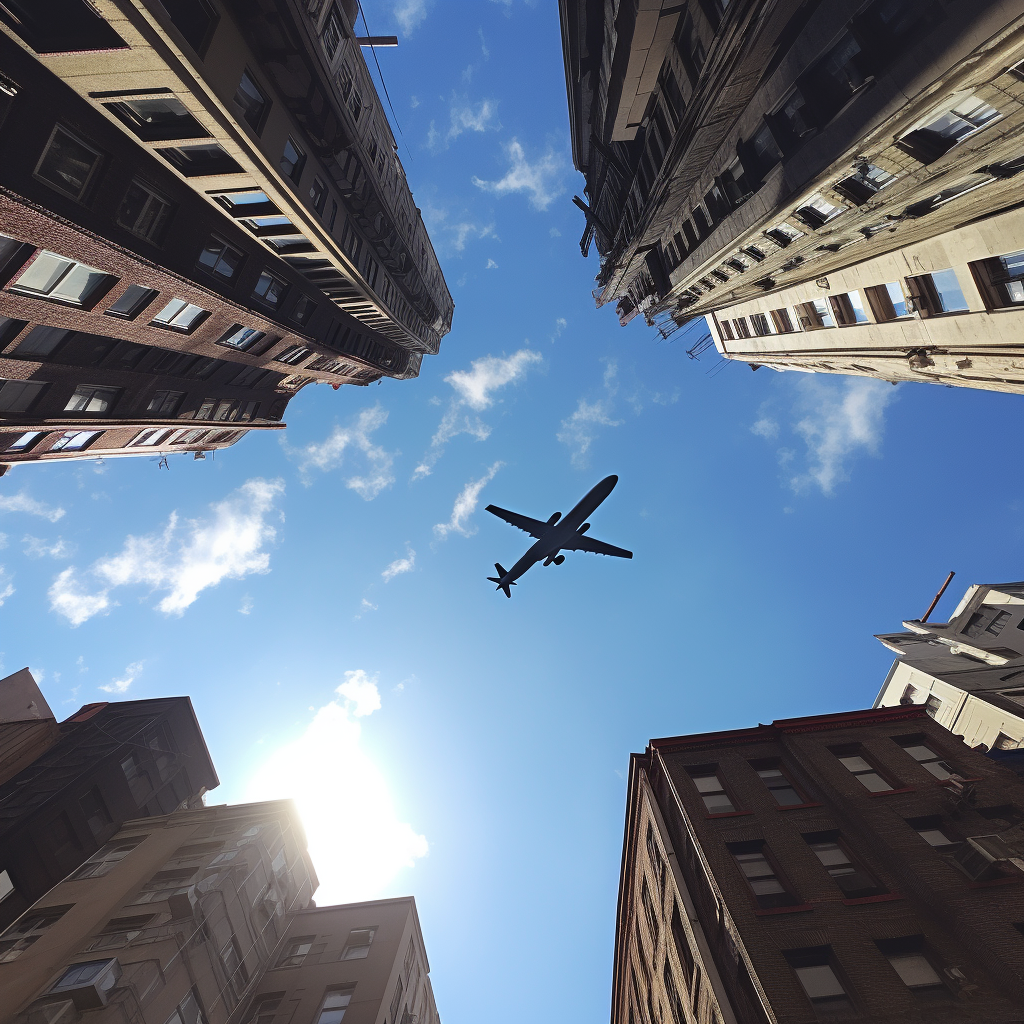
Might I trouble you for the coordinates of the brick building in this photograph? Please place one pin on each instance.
(202, 210)
(821, 867)
(831, 184)
(66, 788)
(968, 673)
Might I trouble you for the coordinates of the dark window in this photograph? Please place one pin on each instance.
(854, 881)
(248, 377)
(95, 810)
(304, 309)
(712, 792)
(1001, 280)
(251, 101)
(74, 440)
(27, 930)
(933, 830)
(138, 780)
(292, 160)
(158, 119)
(132, 302)
(296, 951)
(270, 290)
(332, 34)
(292, 355)
(194, 19)
(68, 164)
(19, 395)
(864, 772)
(179, 315)
(763, 152)
(682, 944)
(60, 26)
(926, 757)
(761, 875)
(59, 841)
(93, 399)
(221, 259)
(240, 337)
(165, 403)
(334, 215)
(53, 277)
(318, 195)
(815, 970)
(196, 161)
(782, 790)
(145, 213)
(908, 958)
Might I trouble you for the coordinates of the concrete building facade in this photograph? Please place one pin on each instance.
(66, 789)
(831, 185)
(202, 210)
(863, 866)
(968, 673)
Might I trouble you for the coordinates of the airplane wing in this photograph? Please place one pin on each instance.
(584, 542)
(534, 527)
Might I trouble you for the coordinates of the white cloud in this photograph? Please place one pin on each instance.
(121, 685)
(21, 502)
(6, 586)
(400, 565)
(765, 427)
(475, 388)
(330, 453)
(465, 506)
(491, 265)
(3, 540)
(366, 606)
(538, 179)
(464, 231)
(467, 117)
(361, 845)
(579, 431)
(560, 325)
(554, 233)
(414, 102)
(36, 547)
(410, 14)
(183, 559)
(246, 607)
(360, 692)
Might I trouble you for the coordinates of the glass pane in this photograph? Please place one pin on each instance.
(856, 764)
(707, 784)
(920, 752)
(915, 971)
(786, 796)
(765, 886)
(337, 999)
(830, 853)
(46, 270)
(251, 100)
(935, 837)
(188, 316)
(18, 395)
(167, 314)
(939, 769)
(948, 287)
(41, 341)
(874, 782)
(820, 982)
(859, 315)
(134, 298)
(753, 865)
(78, 285)
(157, 111)
(67, 164)
(718, 804)
(897, 298)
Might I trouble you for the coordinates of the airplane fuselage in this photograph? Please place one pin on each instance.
(557, 535)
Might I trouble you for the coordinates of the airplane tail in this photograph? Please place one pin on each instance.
(498, 579)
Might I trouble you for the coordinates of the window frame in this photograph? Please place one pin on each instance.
(835, 838)
(68, 436)
(157, 232)
(774, 765)
(90, 177)
(696, 772)
(94, 392)
(171, 325)
(89, 299)
(295, 175)
(844, 753)
(758, 850)
(144, 299)
(258, 122)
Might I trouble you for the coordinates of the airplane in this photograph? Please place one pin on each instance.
(555, 535)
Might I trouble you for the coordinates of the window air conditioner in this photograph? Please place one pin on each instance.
(183, 903)
(980, 854)
(87, 985)
(62, 1012)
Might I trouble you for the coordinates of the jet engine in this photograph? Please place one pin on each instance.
(558, 559)
(554, 519)
(584, 528)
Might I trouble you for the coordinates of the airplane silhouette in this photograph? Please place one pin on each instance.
(555, 535)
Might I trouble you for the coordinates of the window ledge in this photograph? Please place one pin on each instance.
(892, 792)
(729, 814)
(798, 807)
(767, 911)
(946, 783)
(885, 897)
(1005, 880)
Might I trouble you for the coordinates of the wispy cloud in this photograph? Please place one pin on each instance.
(330, 453)
(307, 769)
(246, 607)
(400, 565)
(6, 585)
(410, 14)
(838, 419)
(539, 179)
(182, 559)
(465, 506)
(21, 502)
(491, 265)
(463, 116)
(560, 325)
(475, 389)
(36, 547)
(121, 685)
(579, 431)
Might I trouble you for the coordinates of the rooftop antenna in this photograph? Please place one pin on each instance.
(935, 600)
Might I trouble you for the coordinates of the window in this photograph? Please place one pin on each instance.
(119, 932)
(234, 966)
(357, 947)
(761, 876)
(197, 161)
(815, 314)
(784, 234)
(848, 308)
(334, 215)
(712, 792)
(93, 399)
(292, 160)
(817, 211)
(106, 859)
(81, 975)
(332, 34)
(814, 970)
(270, 290)
(649, 911)
(926, 757)
(908, 960)
(6, 885)
(764, 151)
(158, 118)
(932, 830)
(75, 440)
(304, 309)
(762, 325)
(887, 301)
(264, 1007)
(682, 944)
(938, 292)
(336, 1000)
(293, 355)
(26, 930)
(25, 442)
(19, 395)
(248, 377)
(221, 259)
(68, 164)
(853, 880)
(782, 790)
(94, 808)
(132, 302)
(138, 779)
(187, 1012)
(1001, 279)
(152, 436)
(163, 885)
(932, 706)
(867, 182)
(1005, 742)
(318, 195)
(940, 134)
(180, 315)
(251, 101)
(296, 950)
(865, 773)
(243, 338)
(987, 620)
(53, 277)
(783, 321)
(144, 213)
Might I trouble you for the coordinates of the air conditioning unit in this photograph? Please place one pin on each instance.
(981, 853)
(87, 985)
(183, 903)
(63, 1011)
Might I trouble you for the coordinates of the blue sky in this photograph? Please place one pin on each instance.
(322, 598)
